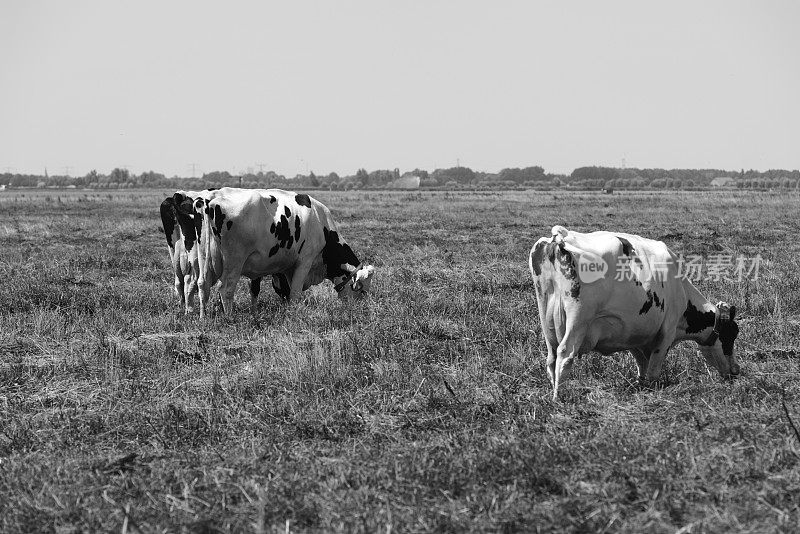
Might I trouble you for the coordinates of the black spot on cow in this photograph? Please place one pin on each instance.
(299, 250)
(658, 302)
(219, 218)
(213, 188)
(303, 200)
(274, 250)
(188, 221)
(230, 223)
(537, 257)
(648, 303)
(282, 232)
(335, 254)
(554, 252)
(567, 267)
(169, 219)
(272, 199)
(697, 321)
(198, 224)
(627, 248)
(297, 228)
(287, 211)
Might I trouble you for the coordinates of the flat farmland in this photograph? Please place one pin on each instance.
(424, 408)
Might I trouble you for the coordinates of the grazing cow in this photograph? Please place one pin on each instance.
(260, 232)
(610, 292)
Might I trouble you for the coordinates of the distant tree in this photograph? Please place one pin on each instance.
(595, 173)
(423, 175)
(528, 174)
(220, 178)
(381, 177)
(118, 176)
(460, 175)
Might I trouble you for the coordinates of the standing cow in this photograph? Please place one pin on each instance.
(182, 229)
(260, 232)
(610, 292)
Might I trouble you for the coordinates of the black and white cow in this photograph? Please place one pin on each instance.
(260, 232)
(611, 292)
(182, 228)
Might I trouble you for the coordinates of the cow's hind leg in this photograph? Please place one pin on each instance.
(567, 350)
(179, 289)
(190, 285)
(551, 341)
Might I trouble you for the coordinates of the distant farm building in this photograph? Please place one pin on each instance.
(723, 181)
(407, 181)
(2, 186)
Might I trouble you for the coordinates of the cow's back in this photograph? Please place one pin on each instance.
(629, 302)
(266, 230)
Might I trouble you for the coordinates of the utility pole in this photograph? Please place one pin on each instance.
(194, 168)
(66, 170)
(261, 167)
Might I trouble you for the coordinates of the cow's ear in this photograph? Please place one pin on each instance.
(733, 312)
(177, 198)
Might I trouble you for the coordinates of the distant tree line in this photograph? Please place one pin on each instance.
(585, 178)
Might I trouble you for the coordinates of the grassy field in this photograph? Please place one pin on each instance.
(425, 408)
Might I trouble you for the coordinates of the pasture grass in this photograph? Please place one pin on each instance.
(425, 408)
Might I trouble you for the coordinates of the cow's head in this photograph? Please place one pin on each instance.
(356, 284)
(718, 349)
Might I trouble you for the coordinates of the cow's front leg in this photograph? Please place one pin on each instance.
(298, 279)
(642, 359)
(659, 353)
(255, 289)
(226, 292)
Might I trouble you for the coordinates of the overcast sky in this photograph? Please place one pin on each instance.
(335, 86)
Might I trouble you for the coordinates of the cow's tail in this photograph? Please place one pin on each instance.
(169, 221)
(206, 251)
